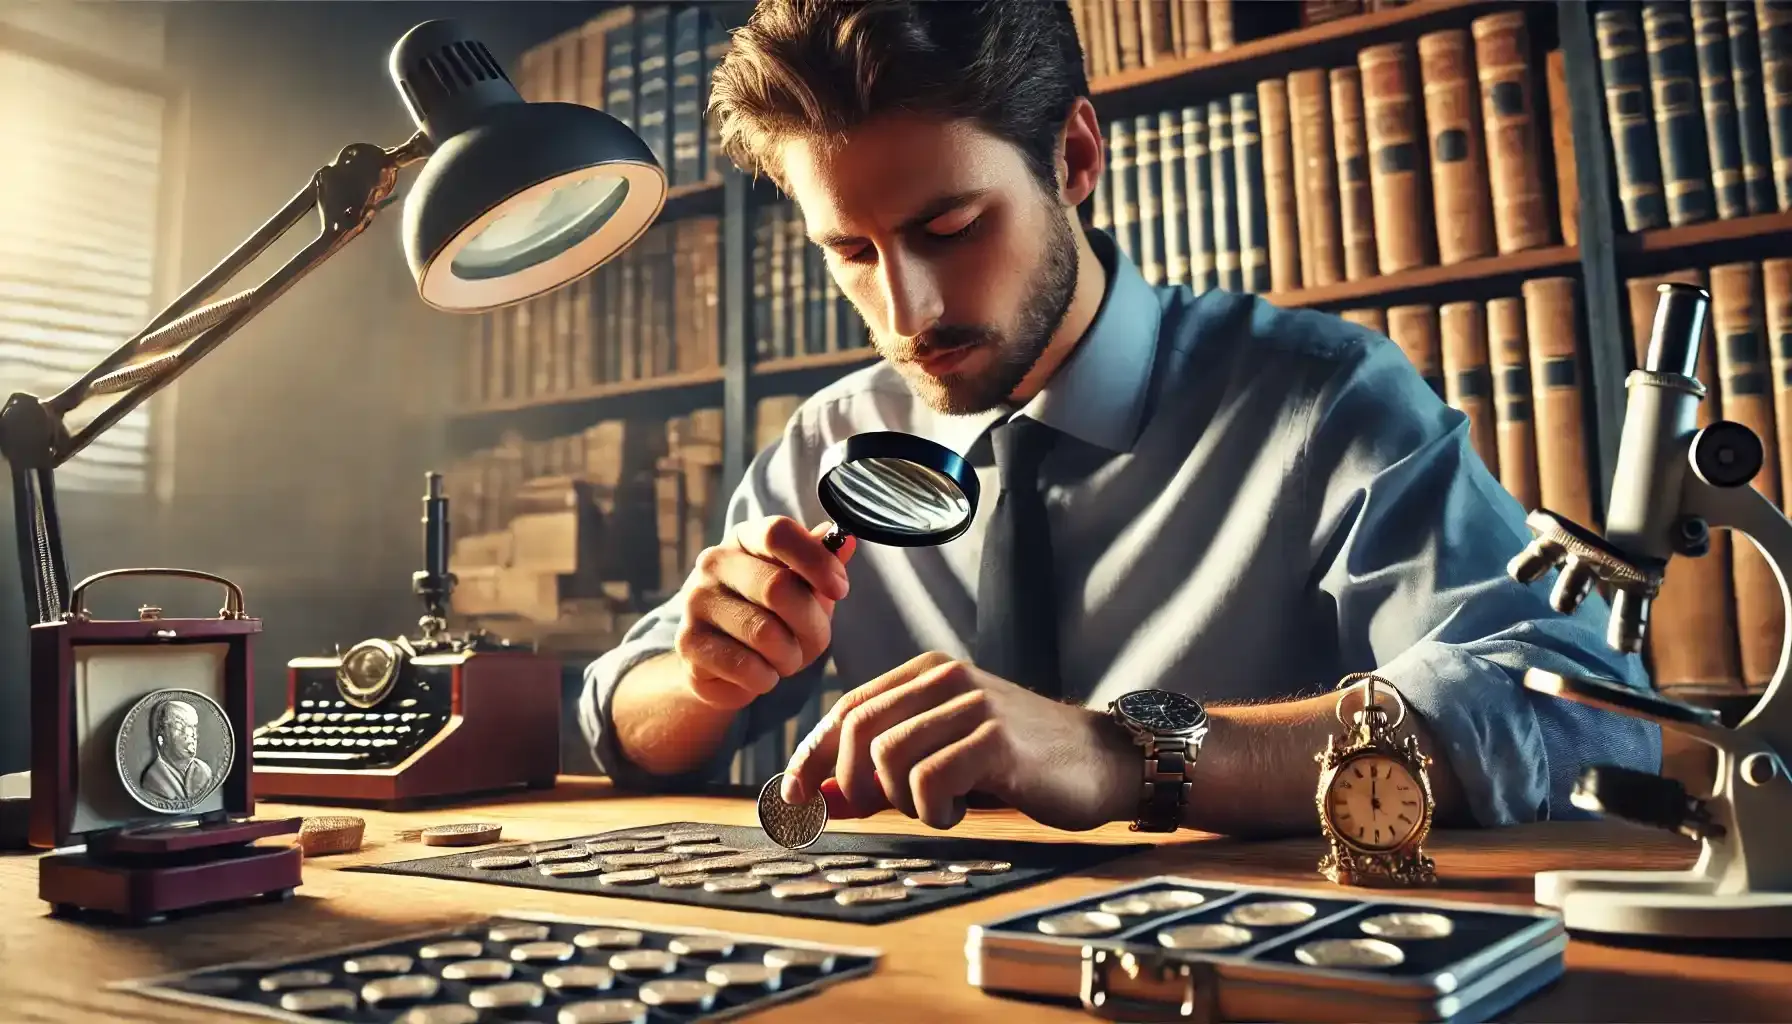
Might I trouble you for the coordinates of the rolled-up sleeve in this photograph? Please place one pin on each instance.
(780, 481)
(1411, 535)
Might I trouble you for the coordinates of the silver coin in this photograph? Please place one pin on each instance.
(454, 949)
(693, 836)
(637, 837)
(446, 1013)
(792, 826)
(318, 1000)
(554, 846)
(679, 994)
(743, 975)
(406, 988)
(500, 862)
(1372, 954)
(634, 876)
(732, 861)
(607, 938)
(650, 845)
(173, 750)
(477, 970)
(699, 849)
(1408, 925)
(625, 861)
(610, 846)
(604, 1011)
(1080, 923)
(383, 963)
(1204, 936)
(560, 856)
(701, 945)
(803, 889)
(508, 995)
(295, 979)
(905, 863)
(786, 959)
(935, 880)
(576, 869)
(783, 869)
(835, 861)
(1272, 913)
(871, 894)
(543, 952)
(860, 876)
(518, 933)
(684, 881)
(980, 867)
(734, 884)
(1158, 901)
(579, 977)
(644, 961)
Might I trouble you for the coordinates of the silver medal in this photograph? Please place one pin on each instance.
(174, 749)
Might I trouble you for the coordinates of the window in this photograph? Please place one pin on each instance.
(80, 191)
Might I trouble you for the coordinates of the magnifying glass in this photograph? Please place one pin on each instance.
(892, 488)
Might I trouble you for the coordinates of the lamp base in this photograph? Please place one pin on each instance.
(1666, 904)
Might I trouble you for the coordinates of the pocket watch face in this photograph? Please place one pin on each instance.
(367, 672)
(1374, 802)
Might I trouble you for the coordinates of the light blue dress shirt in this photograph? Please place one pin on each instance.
(1248, 504)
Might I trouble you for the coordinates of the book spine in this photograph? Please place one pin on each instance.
(764, 333)
(1157, 30)
(779, 281)
(1224, 198)
(1356, 209)
(796, 279)
(1151, 221)
(1744, 382)
(1773, 23)
(1194, 27)
(592, 64)
(715, 47)
(1458, 151)
(1129, 34)
(1107, 18)
(1508, 356)
(1751, 108)
(1468, 376)
(1624, 68)
(1711, 38)
(470, 388)
(653, 82)
(584, 364)
(1414, 329)
(1679, 123)
(1396, 164)
(1315, 179)
(816, 277)
(1318, 12)
(1278, 186)
(619, 72)
(1082, 38)
(1514, 169)
(1776, 295)
(1197, 170)
(687, 96)
(1374, 319)
(1552, 322)
(1126, 191)
(1175, 205)
(1561, 131)
(1220, 30)
(1252, 206)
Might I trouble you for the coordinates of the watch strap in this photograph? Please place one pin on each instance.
(1165, 789)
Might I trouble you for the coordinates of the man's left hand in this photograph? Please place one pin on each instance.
(925, 735)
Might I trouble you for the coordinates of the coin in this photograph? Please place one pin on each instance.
(1158, 901)
(860, 876)
(319, 837)
(1272, 913)
(734, 884)
(445, 1013)
(454, 949)
(792, 826)
(406, 988)
(603, 1011)
(518, 933)
(935, 880)
(980, 867)
(643, 836)
(733, 861)
(679, 993)
(1080, 923)
(743, 975)
(500, 862)
(295, 979)
(610, 846)
(871, 894)
(173, 749)
(699, 849)
(542, 952)
(1359, 953)
(576, 869)
(473, 833)
(562, 856)
(905, 863)
(783, 869)
(701, 945)
(1203, 936)
(684, 881)
(607, 938)
(318, 1000)
(803, 889)
(624, 861)
(634, 876)
(580, 976)
(785, 959)
(384, 963)
(645, 961)
(507, 995)
(477, 970)
(650, 845)
(834, 861)
(693, 836)
(1408, 925)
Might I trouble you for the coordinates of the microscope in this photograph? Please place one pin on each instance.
(1674, 483)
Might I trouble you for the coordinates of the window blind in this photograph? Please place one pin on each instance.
(80, 189)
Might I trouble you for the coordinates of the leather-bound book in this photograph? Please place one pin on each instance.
(1224, 198)
(1220, 32)
(1773, 25)
(1278, 185)
(1561, 133)
(1558, 401)
(1174, 197)
(1679, 117)
(1414, 329)
(1194, 27)
(1251, 204)
(1751, 108)
(1374, 319)
(1458, 147)
(1151, 220)
(1157, 31)
(1717, 95)
(1318, 12)
(1468, 376)
(1509, 354)
(1356, 206)
(1128, 35)
(1514, 168)
(1624, 70)
(1776, 294)
(1397, 171)
(1315, 179)
(1197, 194)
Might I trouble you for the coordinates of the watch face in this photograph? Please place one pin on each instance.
(1162, 710)
(1374, 802)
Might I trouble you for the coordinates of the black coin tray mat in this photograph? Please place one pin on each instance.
(682, 846)
(1231, 952)
(526, 967)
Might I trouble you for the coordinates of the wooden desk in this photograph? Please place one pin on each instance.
(52, 970)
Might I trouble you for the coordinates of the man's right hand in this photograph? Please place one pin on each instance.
(757, 608)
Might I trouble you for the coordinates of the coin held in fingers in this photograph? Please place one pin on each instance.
(792, 826)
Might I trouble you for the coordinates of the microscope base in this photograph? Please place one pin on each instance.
(1669, 904)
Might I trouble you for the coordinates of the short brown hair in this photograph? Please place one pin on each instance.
(818, 68)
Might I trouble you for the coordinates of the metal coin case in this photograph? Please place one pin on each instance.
(1315, 955)
(273, 988)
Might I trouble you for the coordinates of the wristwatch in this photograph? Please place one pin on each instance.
(1169, 727)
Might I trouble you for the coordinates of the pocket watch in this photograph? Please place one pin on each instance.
(1375, 801)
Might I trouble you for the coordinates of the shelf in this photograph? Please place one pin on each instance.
(843, 357)
(1763, 236)
(693, 200)
(571, 412)
(1485, 273)
(806, 374)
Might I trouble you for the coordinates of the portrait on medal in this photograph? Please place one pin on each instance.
(174, 749)
(176, 774)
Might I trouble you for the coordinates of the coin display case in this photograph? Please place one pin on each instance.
(526, 967)
(1170, 948)
(731, 867)
(140, 773)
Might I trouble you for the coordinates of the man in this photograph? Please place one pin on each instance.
(176, 774)
(1235, 502)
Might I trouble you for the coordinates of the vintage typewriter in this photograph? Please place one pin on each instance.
(438, 715)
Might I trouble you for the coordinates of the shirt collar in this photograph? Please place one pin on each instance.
(1098, 395)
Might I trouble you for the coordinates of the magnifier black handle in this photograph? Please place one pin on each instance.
(835, 540)
(1644, 799)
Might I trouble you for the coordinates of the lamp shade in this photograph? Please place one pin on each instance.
(516, 198)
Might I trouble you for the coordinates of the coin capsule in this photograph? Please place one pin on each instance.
(679, 993)
(478, 970)
(509, 995)
(1208, 936)
(607, 938)
(579, 977)
(318, 1000)
(1370, 954)
(1408, 925)
(644, 961)
(295, 979)
(1080, 923)
(701, 945)
(543, 952)
(406, 988)
(453, 949)
(604, 1011)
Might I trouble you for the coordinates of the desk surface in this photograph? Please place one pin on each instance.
(53, 970)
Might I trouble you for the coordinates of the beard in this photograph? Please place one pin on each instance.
(1016, 353)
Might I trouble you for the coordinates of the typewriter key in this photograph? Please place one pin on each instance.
(679, 994)
(935, 880)
(406, 988)
(610, 846)
(510, 995)
(387, 963)
(604, 1011)
(573, 869)
(787, 959)
(803, 889)
(583, 978)
(454, 949)
(477, 970)
(694, 836)
(980, 867)
(502, 862)
(542, 952)
(1408, 925)
(1360, 953)
(564, 856)
(624, 861)
(1079, 923)
(701, 945)
(645, 961)
(1204, 936)
(872, 894)
(734, 884)
(1272, 913)
(634, 876)
(861, 876)
(467, 834)
(607, 938)
(783, 869)
(743, 976)
(693, 881)
(295, 979)
(318, 1000)
(835, 861)
(448, 1013)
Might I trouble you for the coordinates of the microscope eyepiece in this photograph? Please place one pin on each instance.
(1679, 326)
